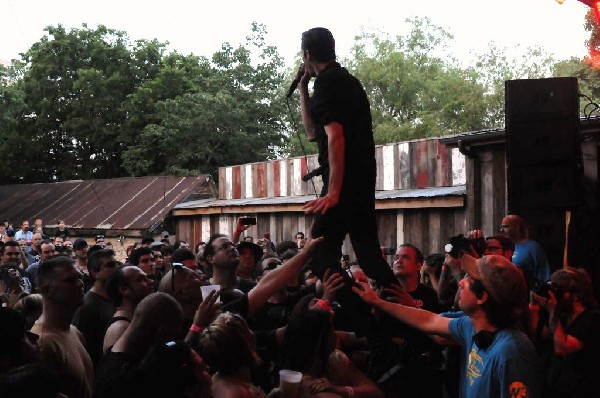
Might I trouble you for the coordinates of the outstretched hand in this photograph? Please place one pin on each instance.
(364, 291)
(397, 294)
(331, 284)
(311, 242)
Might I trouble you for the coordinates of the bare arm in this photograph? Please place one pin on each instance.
(278, 278)
(239, 228)
(425, 321)
(336, 154)
(564, 344)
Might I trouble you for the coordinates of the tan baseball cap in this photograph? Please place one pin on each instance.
(500, 278)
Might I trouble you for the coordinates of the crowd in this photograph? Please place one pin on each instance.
(485, 319)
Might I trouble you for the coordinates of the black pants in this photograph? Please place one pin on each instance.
(357, 220)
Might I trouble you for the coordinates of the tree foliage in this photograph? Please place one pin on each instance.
(415, 93)
(89, 103)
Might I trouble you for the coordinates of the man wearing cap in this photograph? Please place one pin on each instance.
(498, 359)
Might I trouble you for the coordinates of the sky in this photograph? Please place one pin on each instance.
(200, 27)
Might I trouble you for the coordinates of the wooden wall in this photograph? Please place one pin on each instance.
(404, 165)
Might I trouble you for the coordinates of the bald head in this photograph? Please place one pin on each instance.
(515, 228)
(157, 311)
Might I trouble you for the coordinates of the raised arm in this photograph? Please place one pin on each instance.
(425, 321)
(278, 278)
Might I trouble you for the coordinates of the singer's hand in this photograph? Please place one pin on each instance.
(321, 205)
(305, 77)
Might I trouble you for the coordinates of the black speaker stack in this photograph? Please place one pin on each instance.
(544, 175)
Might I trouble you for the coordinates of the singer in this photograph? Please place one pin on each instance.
(338, 118)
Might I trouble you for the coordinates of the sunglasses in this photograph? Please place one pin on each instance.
(273, 265)
(175, 267)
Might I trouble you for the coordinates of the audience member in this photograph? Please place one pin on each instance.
(94, 316)
(156, 320)
(62, 230)
(62, 345)
(47, 250)
(528, 254)
(498, 359)
(126, 287)
(571, 367)
(250, 255)
(31, 306)
(80, 246)
(142, 257)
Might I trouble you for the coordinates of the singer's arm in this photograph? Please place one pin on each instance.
(304, 110)
(336, 144)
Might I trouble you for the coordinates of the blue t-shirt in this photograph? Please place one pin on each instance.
(508, 368)
(531, 258)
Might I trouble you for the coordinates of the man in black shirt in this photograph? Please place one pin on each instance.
(94, 316)
(338, 118)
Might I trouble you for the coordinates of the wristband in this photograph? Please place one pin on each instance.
(534, 307)
(324, 305)
(350, 391)
(196, 329)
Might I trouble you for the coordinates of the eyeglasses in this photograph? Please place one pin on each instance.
(494, 248)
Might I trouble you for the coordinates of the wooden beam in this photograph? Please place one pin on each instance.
(388, 204)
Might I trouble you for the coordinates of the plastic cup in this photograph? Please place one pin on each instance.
(289, 383)
(209, 288)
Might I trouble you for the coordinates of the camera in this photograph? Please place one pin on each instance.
(460, 244)
(542, 288)
(388, 251)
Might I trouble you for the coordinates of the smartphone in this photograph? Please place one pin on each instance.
(248, 220)
(267, 236)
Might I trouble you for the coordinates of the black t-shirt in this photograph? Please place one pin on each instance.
(246, 285)
(339, 97)
(426, 298)
(92, 319)
(578, 374)
(118, 376)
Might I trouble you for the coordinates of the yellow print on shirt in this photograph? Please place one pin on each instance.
(474, 367)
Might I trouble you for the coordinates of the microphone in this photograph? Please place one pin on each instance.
(296, 81)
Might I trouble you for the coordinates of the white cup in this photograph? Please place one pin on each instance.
(209, 288)
(289, 383)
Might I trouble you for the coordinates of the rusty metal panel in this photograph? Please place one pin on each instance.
(236, 184)
(442, 165)
(421, 164)
(119, 203)
(276, 179)
(260, 178)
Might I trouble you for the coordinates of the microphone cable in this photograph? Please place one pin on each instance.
(296, 129)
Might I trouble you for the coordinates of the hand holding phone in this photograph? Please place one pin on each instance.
(248, 220)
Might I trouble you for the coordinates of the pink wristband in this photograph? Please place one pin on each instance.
(350, 391)
(324, 305)
(196, 329)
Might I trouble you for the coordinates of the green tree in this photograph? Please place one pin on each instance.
(76, 87)
(230, 115)
(413, 92)
(12, 104)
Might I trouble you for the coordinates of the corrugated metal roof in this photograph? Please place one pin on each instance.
(434, 192)
(119, 203)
